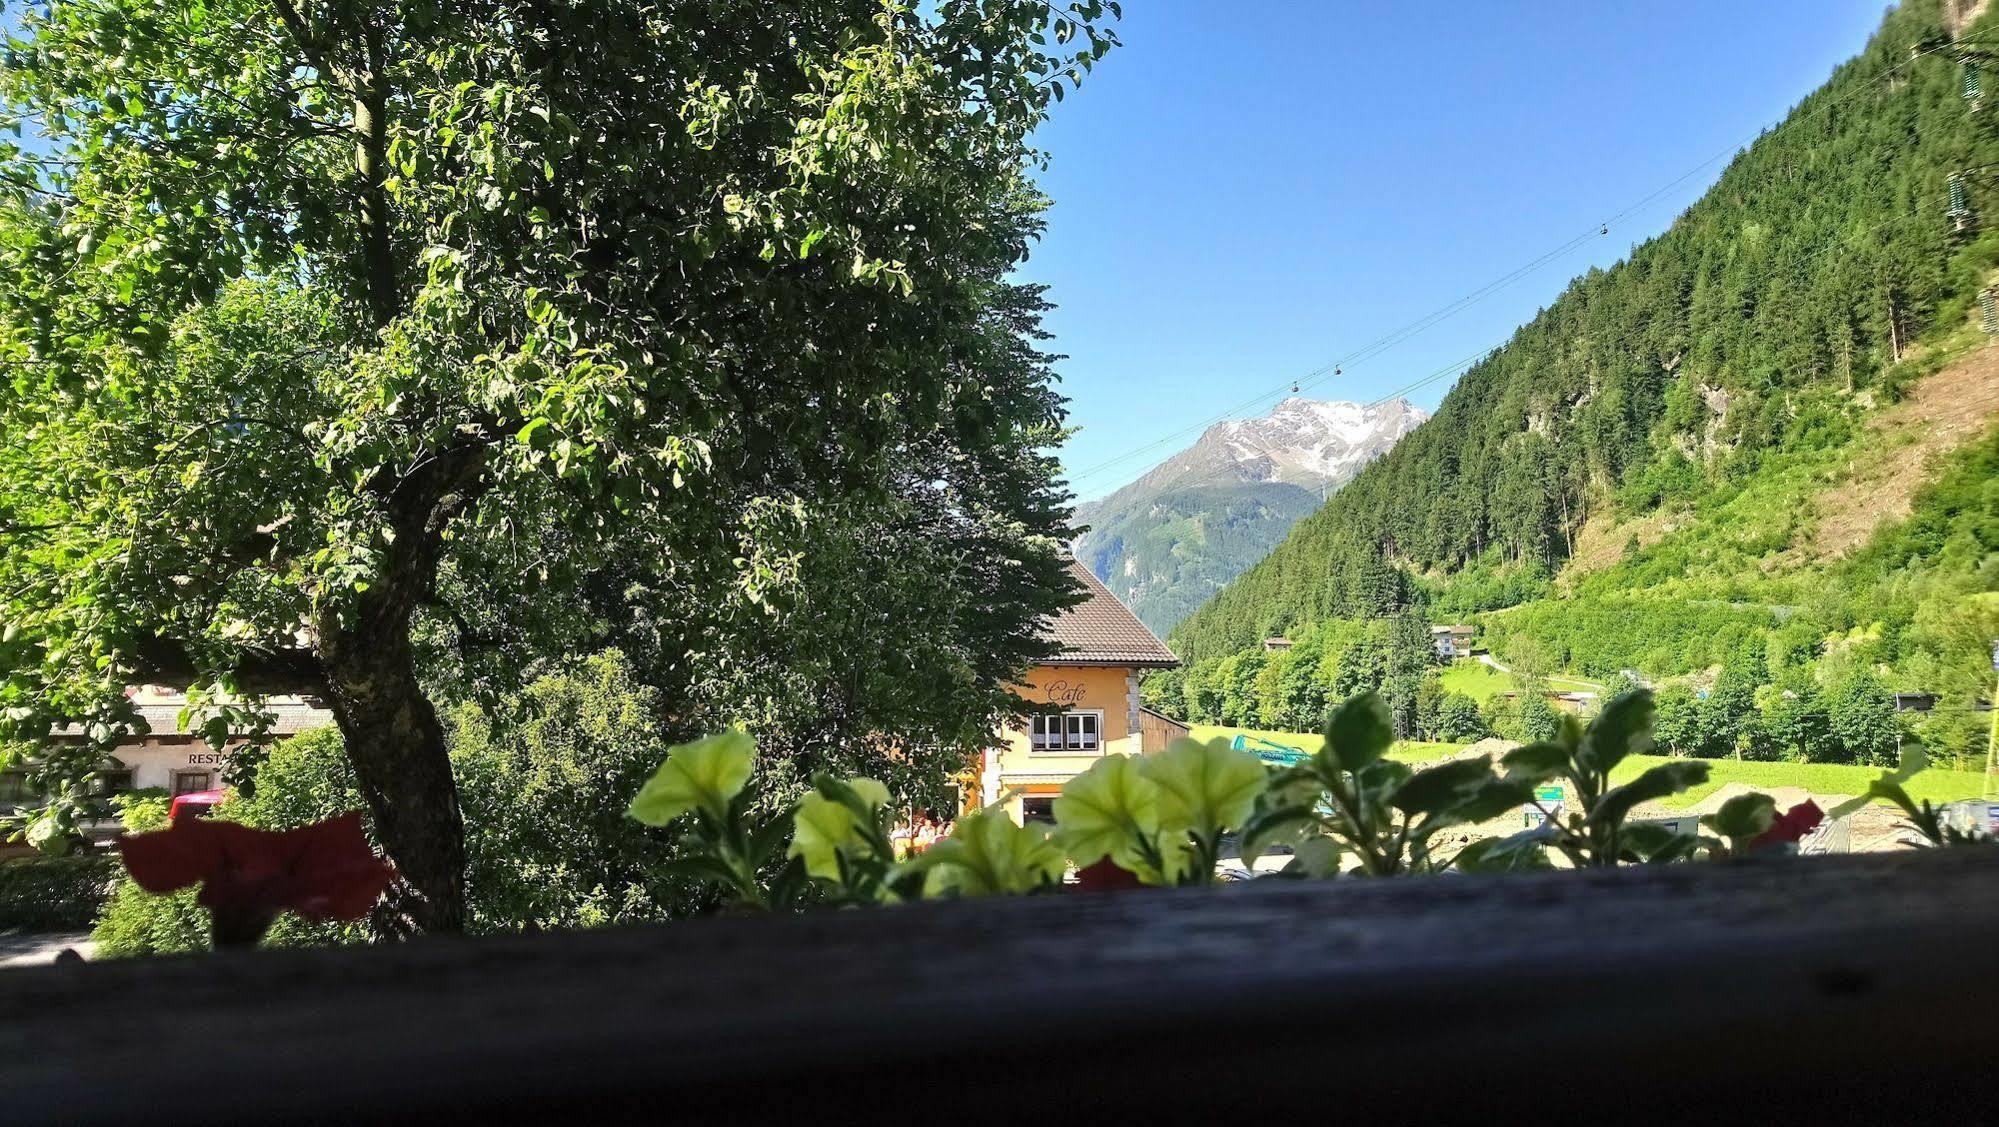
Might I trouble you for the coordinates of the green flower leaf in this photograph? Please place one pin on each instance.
(1660, 781)
(1743, 818)
(1106, 811)
(874, 793)
(820, 830)
(1439, 789)
(1205, 787)
(706, 775)
(987, 854)
(1359, 732)
(1623, 729)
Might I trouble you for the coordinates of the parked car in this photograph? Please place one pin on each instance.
(197, 803)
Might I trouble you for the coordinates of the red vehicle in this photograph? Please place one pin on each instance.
(197, 803)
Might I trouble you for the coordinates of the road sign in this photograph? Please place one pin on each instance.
(1547, 800)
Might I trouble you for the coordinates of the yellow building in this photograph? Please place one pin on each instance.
(1083, 704)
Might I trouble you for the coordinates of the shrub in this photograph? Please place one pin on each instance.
(53, 893)
(134, 921)
(1458, 719)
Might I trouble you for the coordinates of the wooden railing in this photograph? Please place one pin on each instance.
(1861, 988)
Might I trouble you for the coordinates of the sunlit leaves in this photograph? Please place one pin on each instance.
(704, 775)
(1204, 787)
(1108, 810)
(988, 854)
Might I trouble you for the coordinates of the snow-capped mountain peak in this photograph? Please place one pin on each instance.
(1303, 441)
(1170, 539)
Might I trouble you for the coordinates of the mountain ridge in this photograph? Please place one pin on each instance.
(1167, 540)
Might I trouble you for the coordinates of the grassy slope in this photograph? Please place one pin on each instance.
(1938, 786)
(1480, 681)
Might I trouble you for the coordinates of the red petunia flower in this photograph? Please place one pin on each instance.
(324, 871)
(1790, 827)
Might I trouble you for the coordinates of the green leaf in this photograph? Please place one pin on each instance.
(1665, 779)
(821, 829)
(1495, 797)
(1359, 732)
(1658, 845)
(705, 774)
(1317, 856)
(987, 854)
(1205, 787)
(1623, 729)
(764, 843)
(1512, 854)
(1105, 810)
(1269, 827)
(1536, 761)
(1437, 790)
(1743, 818)
(700, 867)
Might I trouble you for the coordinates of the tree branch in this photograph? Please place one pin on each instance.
(163, 661)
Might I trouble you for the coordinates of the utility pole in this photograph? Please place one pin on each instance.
(1992, 737)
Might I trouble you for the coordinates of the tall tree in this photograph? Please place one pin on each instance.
(327, 320)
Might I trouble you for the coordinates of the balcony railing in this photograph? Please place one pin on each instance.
(1855, 989)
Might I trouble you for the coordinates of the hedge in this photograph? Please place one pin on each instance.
(53, 893)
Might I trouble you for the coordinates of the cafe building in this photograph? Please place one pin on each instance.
(1083, 703)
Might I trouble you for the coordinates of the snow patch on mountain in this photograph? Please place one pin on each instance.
(1199, 518)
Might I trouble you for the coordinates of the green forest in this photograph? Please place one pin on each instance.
(1706, 394)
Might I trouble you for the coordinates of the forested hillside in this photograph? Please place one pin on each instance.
(1652, 474)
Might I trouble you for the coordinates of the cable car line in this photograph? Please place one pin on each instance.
(1430, 320)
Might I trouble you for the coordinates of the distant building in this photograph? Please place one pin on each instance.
(1579, 702)
(1915, 702)
(1452, 642)
(1276, 645)
(1082, 705)
(169, 756)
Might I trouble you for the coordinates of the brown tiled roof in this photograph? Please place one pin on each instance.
(1100, 630)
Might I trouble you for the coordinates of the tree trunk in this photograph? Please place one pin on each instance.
(392, 735)
(396, 746)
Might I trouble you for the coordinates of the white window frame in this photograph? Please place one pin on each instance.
(1067, 738)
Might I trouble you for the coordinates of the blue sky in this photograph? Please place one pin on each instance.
(1245, 192)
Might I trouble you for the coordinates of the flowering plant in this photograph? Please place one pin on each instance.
(1595, 833)
(1351, 799)
(1165, 819)
(323, 871)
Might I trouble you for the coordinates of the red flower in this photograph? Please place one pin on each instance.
(323, 871)
(1790, 827)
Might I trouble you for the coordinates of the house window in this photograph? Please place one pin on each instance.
(1067, 731)
(1034, 810)
(112, 780)
(187, 782)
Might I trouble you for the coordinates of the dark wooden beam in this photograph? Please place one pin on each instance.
(1861, 989)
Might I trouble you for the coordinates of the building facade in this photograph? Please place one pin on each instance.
(170, 757)
(1082, 705)
(1452, 642)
